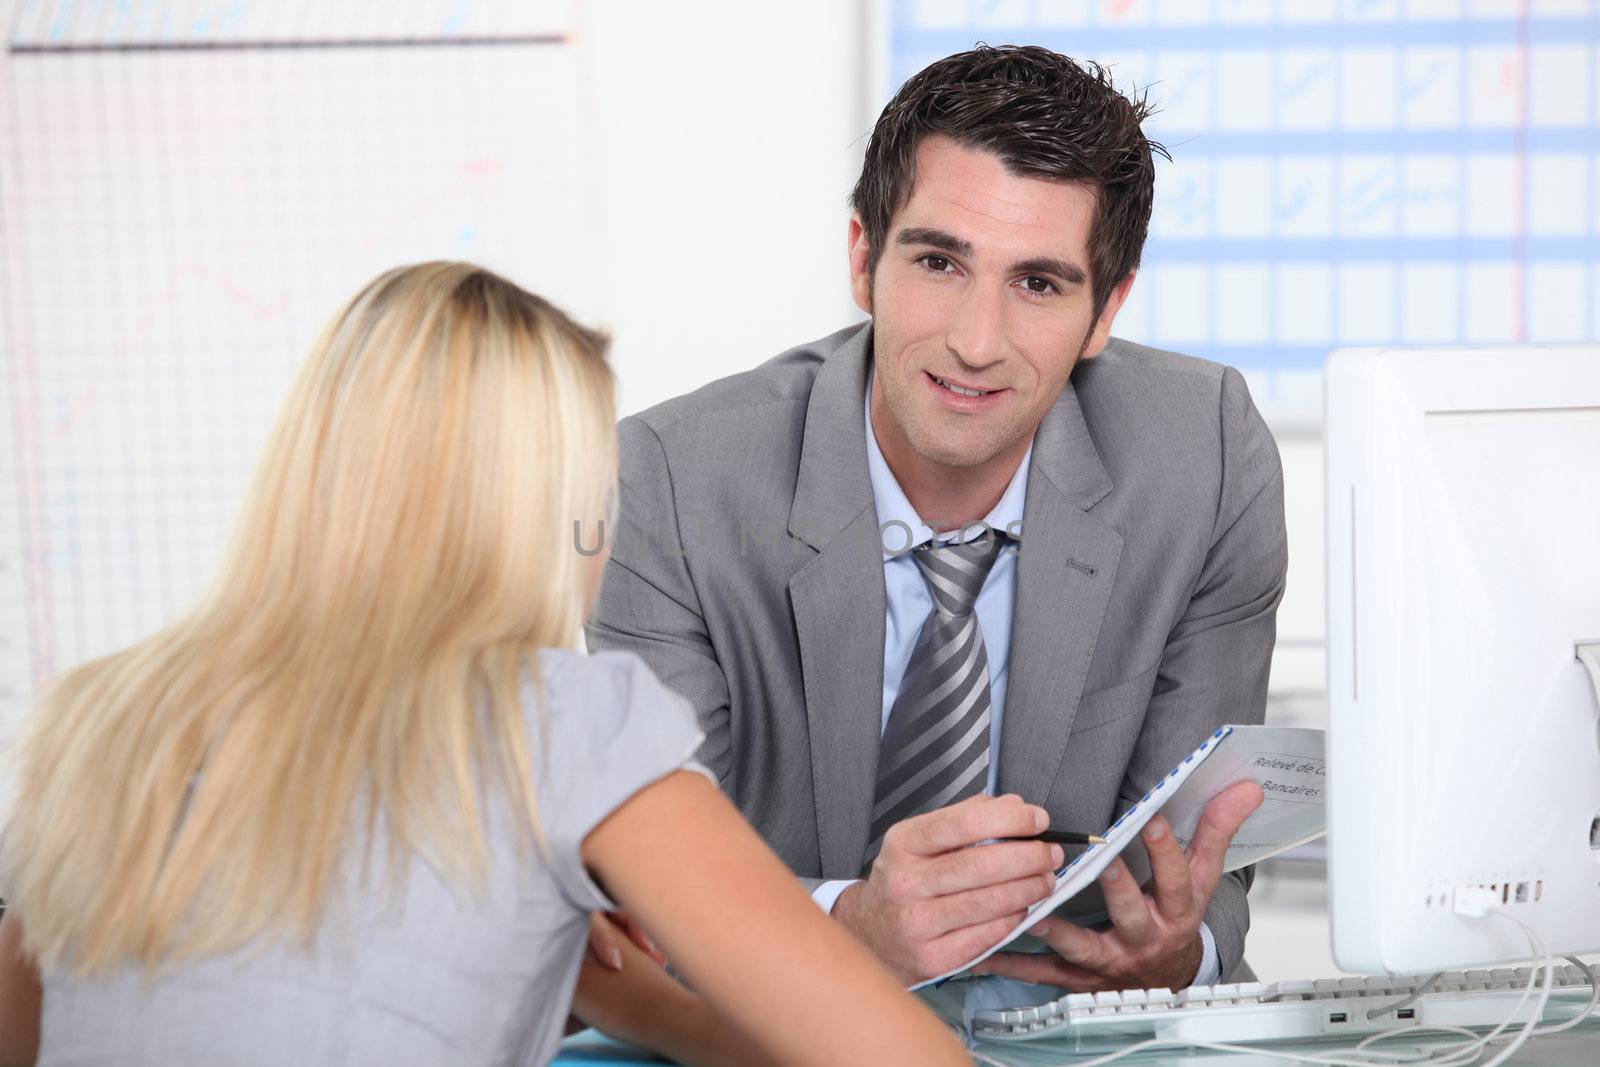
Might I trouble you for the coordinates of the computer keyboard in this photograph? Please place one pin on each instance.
(1284, 1011)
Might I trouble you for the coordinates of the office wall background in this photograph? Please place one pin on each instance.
(189, 188)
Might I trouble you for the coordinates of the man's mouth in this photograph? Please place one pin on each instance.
(961, 390)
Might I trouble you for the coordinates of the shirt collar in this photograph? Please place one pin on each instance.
(893, 507)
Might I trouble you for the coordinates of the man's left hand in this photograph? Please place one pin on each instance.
(1154, 939)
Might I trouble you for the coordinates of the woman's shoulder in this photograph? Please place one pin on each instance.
(569, 676)
(599, 698)
(604, 727)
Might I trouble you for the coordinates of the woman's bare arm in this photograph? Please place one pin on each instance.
(731, 917)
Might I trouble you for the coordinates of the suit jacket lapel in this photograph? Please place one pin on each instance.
(838, 604)
(1065, 569)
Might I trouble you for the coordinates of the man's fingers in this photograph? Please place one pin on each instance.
(981, 865)
(1169, 869)
(976, 907)
(975, 819)
(1126, 905)
(1076, 944)
(1044, 968)
(959, 946)
(1221, 820)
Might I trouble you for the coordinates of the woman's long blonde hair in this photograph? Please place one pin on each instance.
(408, 539)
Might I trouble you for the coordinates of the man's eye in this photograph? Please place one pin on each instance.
(1036, 284)
(936, 263)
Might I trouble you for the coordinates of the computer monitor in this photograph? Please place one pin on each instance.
(1463, 547)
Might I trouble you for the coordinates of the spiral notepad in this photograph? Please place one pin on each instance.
(1287, 762)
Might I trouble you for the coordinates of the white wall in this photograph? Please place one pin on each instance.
(725, 162)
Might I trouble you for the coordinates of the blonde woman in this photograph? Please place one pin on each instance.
(359, 804)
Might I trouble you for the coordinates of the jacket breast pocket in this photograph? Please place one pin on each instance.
(1117, 701)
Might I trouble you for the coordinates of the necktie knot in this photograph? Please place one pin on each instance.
(955, 572)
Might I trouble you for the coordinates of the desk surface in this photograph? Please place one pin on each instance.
(592, 1048)
(1579, 1048)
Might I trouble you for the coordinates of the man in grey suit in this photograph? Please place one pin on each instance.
(974, 558)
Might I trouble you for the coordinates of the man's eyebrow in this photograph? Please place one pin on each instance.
(1070, 273)
(922, 235)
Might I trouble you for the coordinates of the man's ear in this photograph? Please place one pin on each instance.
(860, 272)
(1102, 327)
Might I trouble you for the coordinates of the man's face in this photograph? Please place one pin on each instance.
(983, 284)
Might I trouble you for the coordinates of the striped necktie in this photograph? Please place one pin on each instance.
(935, 747)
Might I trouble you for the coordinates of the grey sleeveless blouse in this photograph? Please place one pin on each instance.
(432, 976)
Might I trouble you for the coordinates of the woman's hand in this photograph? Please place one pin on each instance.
(605, 949)
(603, 939)
(637, 1002)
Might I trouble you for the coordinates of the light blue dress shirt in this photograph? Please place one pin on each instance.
(909, 604)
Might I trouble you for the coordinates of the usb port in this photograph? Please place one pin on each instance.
(1338, 1017)
(1406, 1013)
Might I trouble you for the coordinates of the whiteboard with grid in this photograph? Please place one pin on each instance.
(1345, 172)
(188, 190)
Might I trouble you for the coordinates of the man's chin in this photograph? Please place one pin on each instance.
(957, 453)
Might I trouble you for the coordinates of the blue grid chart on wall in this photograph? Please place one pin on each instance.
(1344, 172)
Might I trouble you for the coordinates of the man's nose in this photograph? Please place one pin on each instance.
(976, 333)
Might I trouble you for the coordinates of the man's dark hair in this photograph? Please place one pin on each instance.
(1045, 116)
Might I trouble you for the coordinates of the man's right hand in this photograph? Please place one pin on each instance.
(932, 901)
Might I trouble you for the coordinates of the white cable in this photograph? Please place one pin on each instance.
(1471, 1051)
(1537, 1014)
(1476, 903)
(1462, 1055)
(1588, 1009)
(1406, 1003)
(1378, 1058)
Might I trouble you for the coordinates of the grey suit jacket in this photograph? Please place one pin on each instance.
(748, 573)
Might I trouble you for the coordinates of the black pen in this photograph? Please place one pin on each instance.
(1063, 837)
